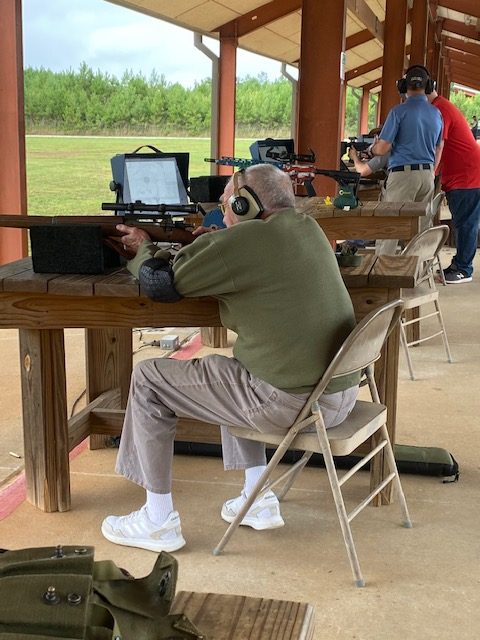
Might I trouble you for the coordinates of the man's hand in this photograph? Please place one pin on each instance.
(353, 154)
(201, 230)
(128, 243)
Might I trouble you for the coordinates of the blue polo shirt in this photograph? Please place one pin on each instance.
(415, 129)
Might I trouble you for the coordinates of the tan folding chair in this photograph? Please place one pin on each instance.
(431, 220)
(427, 246)
(358, 353)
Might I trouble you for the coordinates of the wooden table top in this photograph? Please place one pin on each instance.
(18, 277)
(316, 208)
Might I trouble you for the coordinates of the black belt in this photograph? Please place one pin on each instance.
(413, 167)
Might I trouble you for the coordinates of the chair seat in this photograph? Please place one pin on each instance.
(419, 295)
(364, 420)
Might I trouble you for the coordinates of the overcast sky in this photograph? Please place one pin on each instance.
(61, 34)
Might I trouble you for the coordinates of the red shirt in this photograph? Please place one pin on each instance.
(460, 162)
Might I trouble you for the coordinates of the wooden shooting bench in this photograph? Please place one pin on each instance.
(369, 221)
(221, 616)
(108, 307)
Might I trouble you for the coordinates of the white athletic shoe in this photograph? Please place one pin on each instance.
(263, 514)
(137, 530)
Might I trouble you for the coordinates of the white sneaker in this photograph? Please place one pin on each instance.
(137, 530)
(263, 514)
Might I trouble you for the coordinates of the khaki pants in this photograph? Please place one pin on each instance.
(215, 389)
(405, 186)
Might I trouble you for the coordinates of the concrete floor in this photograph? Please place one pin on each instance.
(420, 583)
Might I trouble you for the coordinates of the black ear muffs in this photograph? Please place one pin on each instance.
(244, 203)
(402, 86)
(402, 83)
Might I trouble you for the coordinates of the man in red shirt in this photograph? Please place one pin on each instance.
(460, 177)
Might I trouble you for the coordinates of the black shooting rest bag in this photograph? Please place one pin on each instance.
(61, 592)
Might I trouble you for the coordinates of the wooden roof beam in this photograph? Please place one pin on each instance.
(461, 45)
(367, 67)
(469, 7)
(467, 31)
(466, 82)
(372, 85)
(356, 39)
(465, 69)
(364, 68)
(467, 58)
(259, 17)
(465, 72)
(367, 17)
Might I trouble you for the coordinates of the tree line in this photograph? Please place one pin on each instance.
(85, 101)
(93, 102)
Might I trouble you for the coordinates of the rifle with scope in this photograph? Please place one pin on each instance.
(152, 219)
(301, 170)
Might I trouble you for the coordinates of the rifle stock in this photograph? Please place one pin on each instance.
(158, 228)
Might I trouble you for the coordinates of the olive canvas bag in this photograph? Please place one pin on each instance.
(62, 592)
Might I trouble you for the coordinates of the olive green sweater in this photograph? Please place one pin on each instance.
(279, 288)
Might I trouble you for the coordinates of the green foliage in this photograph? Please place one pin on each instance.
(95, 102)
(468, 105)
(91, 102)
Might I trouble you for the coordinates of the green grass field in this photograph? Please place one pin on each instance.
(70, 175)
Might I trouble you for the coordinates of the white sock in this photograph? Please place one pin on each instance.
(252, 474)
(159, 506)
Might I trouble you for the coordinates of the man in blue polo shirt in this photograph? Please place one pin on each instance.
(413, 134)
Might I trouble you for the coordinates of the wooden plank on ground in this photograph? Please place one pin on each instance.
(221, 616)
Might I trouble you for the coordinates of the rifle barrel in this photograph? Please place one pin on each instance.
(164, 230)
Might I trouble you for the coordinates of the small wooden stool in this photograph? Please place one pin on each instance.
(222, 616)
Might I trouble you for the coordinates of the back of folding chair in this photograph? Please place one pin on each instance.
(427, 246)
(361, 348)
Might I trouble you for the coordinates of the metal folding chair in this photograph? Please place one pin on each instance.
(308, 433)
(427, 246)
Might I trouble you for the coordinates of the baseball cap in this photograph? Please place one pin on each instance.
(416, 78)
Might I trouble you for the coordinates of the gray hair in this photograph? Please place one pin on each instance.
(272, 186)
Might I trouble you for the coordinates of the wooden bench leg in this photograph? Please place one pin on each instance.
(45, 430)
(214, 337)
(109, 362)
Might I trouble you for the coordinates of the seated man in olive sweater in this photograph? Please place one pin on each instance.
(279, 288)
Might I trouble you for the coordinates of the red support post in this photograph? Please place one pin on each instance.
(227, 84)
(419, 32)
(13, 181)
(321, 86)
(364, 104)
(393, 53)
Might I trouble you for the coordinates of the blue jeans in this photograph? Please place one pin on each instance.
(464, 205)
